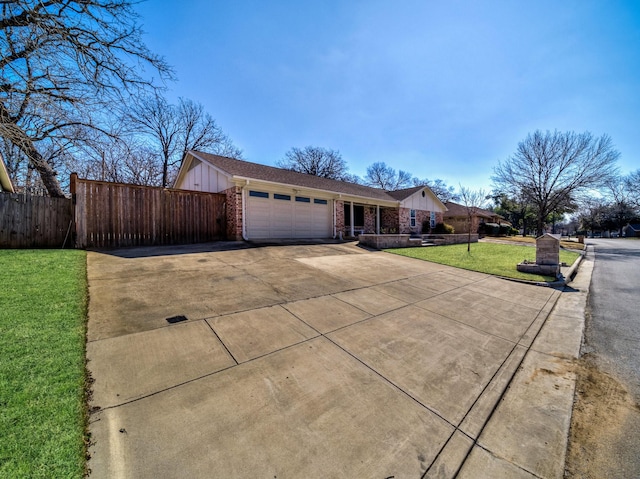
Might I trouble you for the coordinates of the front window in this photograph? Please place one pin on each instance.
(432, 219)
(413, 218)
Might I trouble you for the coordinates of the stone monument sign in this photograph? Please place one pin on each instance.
(547, 257)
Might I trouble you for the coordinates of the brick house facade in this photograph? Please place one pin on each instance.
(458, 217)
(234, 213)
(265, 202)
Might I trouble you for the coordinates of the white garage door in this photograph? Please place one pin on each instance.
(282, 216)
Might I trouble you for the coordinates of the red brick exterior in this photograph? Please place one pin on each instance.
(461, 224)
(370, 219)
(422, 216)
(392, 220)
(339, 211)
(234, 213)
(405, 221)
(389, 220)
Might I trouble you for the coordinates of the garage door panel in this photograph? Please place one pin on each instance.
(271, 218)
(313, 221)
(258, 217)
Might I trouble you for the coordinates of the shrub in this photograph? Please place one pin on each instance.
(443, 229)
(504, 230)
(489, 229)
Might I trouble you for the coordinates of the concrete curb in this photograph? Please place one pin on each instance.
(528, 432)
(555, 284)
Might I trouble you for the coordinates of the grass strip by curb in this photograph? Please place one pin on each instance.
(42, 365)
(491, 258)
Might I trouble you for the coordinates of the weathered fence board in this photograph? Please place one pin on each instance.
(34, 221)
(109, 215)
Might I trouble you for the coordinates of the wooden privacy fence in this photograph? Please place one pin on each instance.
(109, 215)
(34, 221)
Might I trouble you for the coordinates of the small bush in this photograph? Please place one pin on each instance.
(504, 230)
(443, 229)
(489, 229)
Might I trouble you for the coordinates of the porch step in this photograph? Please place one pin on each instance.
(431, 241)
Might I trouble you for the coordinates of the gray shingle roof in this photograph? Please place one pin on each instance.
(455, 209)
(405, 193)
(247, 169)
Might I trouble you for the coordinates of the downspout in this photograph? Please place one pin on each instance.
(244, 212)
(352, 219)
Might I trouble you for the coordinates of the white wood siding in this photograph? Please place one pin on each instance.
(417, 202)
(202, 177)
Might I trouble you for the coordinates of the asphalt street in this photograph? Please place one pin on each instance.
(613, 332)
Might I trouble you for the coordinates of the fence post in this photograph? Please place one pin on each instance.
(73, 190)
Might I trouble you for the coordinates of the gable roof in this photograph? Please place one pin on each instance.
(455, 209)
(241, 169)
(405, 193)
(5, 180)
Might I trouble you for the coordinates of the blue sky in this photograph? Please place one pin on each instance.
(442, 89)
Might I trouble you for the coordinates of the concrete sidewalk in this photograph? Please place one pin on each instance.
(526, 436)
(325, 361)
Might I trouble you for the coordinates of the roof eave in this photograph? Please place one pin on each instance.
(381, 202)
(5, 179)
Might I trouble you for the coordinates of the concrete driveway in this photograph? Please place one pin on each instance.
(297, 361)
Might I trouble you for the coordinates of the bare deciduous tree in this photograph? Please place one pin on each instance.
(552, 169)
(622, 206)
(59, 62)
(632, 185)
(439, 187)
(173, 130)
(473, 201)
(379, 175)
(317, 161)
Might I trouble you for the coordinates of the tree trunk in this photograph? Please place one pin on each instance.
(47, 174)
(10, 130)
(539, 227)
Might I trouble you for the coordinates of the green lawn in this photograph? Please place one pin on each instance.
(491, 258)
(42, 363)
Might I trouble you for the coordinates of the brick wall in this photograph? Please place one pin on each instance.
(234, 213)
(404, 221)
(389, 220)
(422, 216)
(369, 219)
(340, 226)
(461, 224)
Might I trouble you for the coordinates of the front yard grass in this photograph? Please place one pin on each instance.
(492, 258)
(42, 363)
(565, 243)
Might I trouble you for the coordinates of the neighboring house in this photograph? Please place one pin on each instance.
(632, 230)
(264, 202)
(458, 217)
(5, 181)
